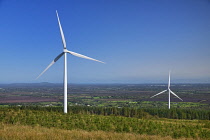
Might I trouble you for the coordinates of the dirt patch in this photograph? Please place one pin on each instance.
(26, 99)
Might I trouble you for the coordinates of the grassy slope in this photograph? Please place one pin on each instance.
(27, 124)
(21, 132)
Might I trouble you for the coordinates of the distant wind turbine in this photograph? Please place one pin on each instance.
(65, 51)
(169, 91)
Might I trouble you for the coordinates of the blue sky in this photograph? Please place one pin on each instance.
(140, 40)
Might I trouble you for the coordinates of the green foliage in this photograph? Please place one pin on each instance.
(177, 113)
(174, 113)
(84, 118)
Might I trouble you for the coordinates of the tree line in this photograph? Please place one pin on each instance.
(174, 113)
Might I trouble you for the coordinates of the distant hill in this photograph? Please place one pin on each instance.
(44, 84)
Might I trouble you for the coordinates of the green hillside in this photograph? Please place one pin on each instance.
(89, 122)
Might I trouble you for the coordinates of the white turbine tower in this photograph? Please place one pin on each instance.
(65, 51)
(169, 91)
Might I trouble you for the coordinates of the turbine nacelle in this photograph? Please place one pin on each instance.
(65, 50)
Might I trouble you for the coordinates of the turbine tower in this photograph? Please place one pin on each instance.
(169, 91)
(65, 51)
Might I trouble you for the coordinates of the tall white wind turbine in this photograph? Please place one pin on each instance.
(65, 51)
(169, 91)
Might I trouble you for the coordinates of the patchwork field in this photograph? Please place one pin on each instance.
(138, 96)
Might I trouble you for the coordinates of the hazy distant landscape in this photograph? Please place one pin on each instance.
(106, 95)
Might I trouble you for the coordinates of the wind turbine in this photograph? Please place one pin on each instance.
(65, 51)
(169, 91)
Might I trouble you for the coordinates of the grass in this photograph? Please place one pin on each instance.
(162, 104)
(4, 105)
(21, 132)
(96, 97)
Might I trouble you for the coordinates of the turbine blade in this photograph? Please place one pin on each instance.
(61, 31)
(83, 56)
(175, 95)
(56, 59)
(158, 93)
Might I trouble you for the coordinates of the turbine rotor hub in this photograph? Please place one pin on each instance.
(65, 50)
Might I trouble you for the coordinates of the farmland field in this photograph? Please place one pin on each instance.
(115, 95)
